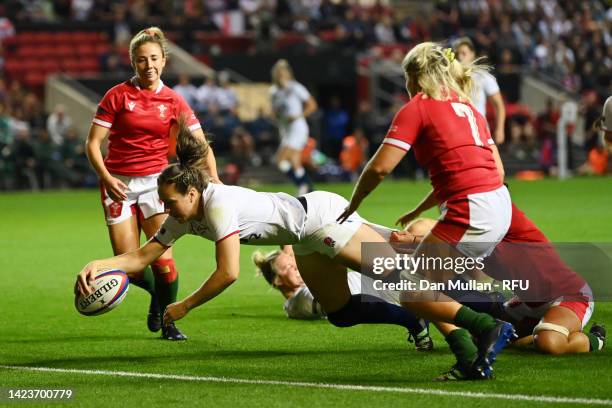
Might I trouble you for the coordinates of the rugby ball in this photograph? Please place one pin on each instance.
(109, 289)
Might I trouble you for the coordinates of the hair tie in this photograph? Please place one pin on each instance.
(449, 54)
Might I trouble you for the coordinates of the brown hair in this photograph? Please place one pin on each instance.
(463, 41)
(152, 35)
(191, 153)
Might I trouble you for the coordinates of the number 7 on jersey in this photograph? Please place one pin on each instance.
(465, 111)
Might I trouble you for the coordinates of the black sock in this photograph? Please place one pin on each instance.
(302, 179)
(363, 308)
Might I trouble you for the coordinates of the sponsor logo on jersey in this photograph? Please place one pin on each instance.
(162, 110)
(329, 242)
(131, 105)
(250, 237)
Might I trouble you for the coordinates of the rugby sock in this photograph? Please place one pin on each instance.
(370, 309)
(285, 168)
(462, 346)
(301, 178)
(595, 342)
(145, 280)
(476, 323)
(166, 282)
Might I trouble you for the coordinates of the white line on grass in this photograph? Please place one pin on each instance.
(348, 387)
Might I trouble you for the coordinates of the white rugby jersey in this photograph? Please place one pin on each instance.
(303, 306)
(485, 85)
(258, 218)
(289, 101)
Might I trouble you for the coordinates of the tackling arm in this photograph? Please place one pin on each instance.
(380, 165)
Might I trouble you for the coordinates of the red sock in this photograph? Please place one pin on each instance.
(164, 270)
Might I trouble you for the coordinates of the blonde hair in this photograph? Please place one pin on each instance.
(148, 35)
(263, 262)
(280, 64)
(438, 73)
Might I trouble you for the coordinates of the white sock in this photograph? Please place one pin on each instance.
(299, 172)
(284, 166)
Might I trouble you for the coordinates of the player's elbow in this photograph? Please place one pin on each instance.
(230, 276)
(378, 170)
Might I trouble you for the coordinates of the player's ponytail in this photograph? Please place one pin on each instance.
(264, 264)
(151, 34)
(438, 73)
(191, 153)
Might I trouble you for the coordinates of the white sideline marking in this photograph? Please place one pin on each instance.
(348, 387)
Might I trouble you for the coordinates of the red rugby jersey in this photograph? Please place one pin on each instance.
(139, 121)
(451, 139)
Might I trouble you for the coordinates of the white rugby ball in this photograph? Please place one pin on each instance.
(109, 289)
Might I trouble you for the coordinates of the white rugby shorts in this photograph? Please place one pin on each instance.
(294, 135)
(141, 196)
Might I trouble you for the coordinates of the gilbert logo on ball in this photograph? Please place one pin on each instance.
(109, 289)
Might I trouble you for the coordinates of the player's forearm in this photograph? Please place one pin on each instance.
(128, 263)
(135, 261)
(211, 165)
(213, 286)
(428, 202)
(94, 154)
(500, 117)
(498, 162)
(310, 108)
(371, 177)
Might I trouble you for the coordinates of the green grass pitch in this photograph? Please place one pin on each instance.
(243, 334)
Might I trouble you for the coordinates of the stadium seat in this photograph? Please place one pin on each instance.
(35, 79)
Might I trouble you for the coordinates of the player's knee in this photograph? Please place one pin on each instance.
(551, 342)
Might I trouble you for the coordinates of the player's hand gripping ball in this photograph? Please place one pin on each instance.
(108, 290)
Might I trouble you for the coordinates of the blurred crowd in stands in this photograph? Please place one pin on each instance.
(38, 150)
(567, 43)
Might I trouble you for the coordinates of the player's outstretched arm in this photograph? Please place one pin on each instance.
(130, 262)
(228, 269)
(382, 163)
